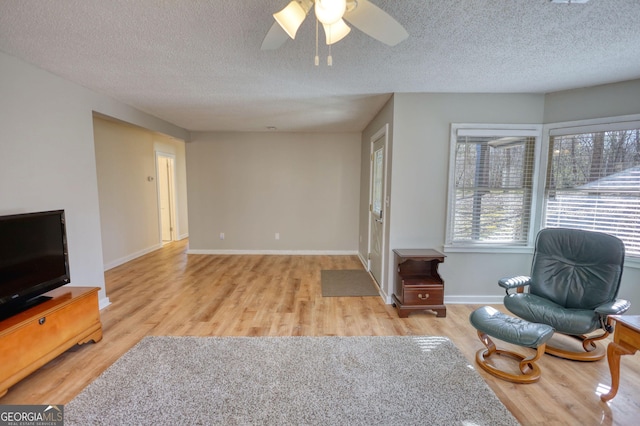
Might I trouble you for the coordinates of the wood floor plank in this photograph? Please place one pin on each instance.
(168, 292)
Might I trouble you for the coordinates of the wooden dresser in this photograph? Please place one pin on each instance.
(31, 338)
(418, 285)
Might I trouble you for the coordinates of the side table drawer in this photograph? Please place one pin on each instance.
(429, 295)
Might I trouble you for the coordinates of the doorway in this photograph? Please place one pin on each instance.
(378, 206)
(165, 178)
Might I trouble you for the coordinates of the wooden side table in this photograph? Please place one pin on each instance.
(418, 285)
(626, 341)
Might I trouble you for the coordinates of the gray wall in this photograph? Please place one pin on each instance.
(250, 186)
(47, 156)
(48, 162)
(422, 124)
(419, 182)
(384, 117)
(611, 100)
(125, 158)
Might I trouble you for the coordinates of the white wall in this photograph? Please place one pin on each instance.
(47, 158)
(125, 159)
(249, 186)
(421, 134)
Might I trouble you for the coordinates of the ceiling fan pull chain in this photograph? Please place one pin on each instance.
(329, 58)
(317, 58)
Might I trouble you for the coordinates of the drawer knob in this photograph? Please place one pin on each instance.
(423, 296)
(42, 320)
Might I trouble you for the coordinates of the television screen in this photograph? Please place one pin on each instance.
(33, 257)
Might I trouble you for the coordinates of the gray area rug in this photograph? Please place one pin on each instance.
(409, 380)
(347, 282)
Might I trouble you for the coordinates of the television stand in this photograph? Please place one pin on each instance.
(39, 334)
(21, 308)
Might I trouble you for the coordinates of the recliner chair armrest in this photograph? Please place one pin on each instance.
(514, 282)
(617, 307)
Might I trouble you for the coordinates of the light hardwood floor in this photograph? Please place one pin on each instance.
(168, 292)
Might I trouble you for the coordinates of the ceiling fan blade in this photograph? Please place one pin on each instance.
(274, 38)
(375, 22)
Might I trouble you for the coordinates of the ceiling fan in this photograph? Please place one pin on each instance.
(362, 14)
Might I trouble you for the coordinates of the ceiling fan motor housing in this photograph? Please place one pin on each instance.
(330, 11)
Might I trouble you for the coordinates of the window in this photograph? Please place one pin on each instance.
(593, 182)
(378, 168)
(491, 185)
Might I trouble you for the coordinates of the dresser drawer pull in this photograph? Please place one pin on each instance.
(42, 320)
(423, 296)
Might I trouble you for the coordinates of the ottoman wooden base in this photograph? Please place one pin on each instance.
(490, 322)
(530, 371)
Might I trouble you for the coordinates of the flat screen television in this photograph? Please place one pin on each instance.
(33, 258)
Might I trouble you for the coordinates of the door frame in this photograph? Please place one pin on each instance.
(172, 196)
(382, 133)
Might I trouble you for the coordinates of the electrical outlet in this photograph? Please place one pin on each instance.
(222, 235)
(277, 235)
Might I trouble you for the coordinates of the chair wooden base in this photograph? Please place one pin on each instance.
(592, 351)
(530, 371)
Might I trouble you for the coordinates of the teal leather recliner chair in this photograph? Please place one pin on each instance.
(573, 287)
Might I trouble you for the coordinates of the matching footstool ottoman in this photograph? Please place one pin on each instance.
(491, 322)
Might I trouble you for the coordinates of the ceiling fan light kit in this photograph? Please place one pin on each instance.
(336, 31)
(362, 14)
(291, 17)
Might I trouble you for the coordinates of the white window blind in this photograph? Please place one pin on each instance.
(492, 187)
(593, 183)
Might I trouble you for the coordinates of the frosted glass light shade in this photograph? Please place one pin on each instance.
(336, 31)
(290, 18)
(330, 11)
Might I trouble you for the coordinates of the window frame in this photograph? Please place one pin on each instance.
(625, 122)
(481, 130)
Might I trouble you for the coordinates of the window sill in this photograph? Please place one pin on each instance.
(631, 262)
(490, 249)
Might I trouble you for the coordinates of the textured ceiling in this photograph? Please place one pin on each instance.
(198, 63)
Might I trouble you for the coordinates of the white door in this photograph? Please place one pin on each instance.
(377, 207)
(165, 195)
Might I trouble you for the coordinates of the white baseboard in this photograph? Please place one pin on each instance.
(183, 236)
(364, 261)
(474, 300)
(131, 256)
(277, 252)
(465, 300)
(103, 303)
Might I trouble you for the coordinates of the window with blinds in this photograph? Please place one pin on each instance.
(491, 187)
(593, 183)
